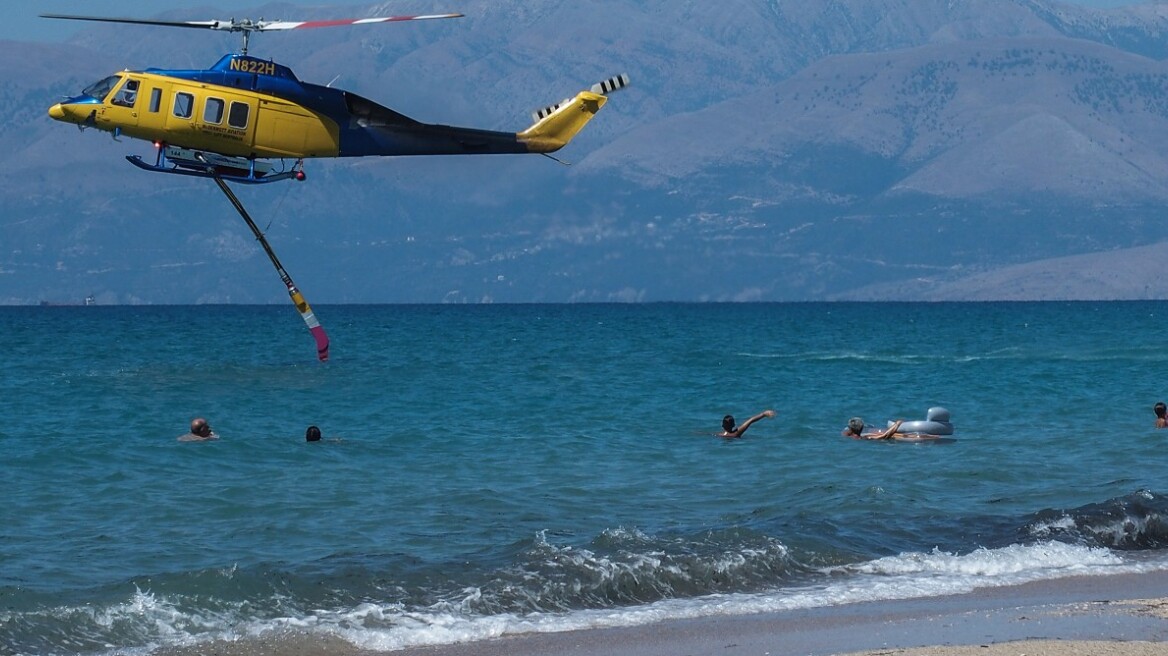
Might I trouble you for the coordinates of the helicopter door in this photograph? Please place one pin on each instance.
(121, 110)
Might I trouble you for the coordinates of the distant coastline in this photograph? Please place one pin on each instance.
(89, 300)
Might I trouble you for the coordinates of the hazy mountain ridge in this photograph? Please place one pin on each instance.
(1131, 274)
(767, 151)
(911, 108)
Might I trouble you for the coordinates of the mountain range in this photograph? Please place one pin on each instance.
(767, 151)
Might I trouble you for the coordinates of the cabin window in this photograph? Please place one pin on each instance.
(183, 104)
(213, 111)
(127, 94)
(238, 116)
(155, 100)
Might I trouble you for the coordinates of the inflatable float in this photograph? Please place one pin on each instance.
(936, 423)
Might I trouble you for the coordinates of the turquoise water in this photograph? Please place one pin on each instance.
(494, 469)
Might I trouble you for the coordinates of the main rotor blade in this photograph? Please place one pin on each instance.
(248, 25)
(207, 25)
(263, 26)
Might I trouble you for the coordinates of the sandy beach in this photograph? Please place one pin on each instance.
(1123, 614)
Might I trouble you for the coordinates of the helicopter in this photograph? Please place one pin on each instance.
(233, 120)
(229, 122)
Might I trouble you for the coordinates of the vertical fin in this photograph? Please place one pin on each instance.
(555, 125)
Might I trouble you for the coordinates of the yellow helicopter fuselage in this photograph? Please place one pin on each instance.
(208, 117)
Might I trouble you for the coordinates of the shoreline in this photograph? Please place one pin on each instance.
(1108, 614)
(1127, 611)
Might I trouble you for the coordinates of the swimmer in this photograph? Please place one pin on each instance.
(730, 430)
(1160, 409)
(200, 432)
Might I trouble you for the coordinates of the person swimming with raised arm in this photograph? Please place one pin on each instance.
(729, 429)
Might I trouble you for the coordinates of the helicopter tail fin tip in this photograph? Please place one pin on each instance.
(556, 125)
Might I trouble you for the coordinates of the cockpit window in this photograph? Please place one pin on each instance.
(99, 90)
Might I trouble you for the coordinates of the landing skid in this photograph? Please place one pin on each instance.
(181, 161)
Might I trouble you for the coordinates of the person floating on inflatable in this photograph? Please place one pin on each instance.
(936, 424)
(855, 430)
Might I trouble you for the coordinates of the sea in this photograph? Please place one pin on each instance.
(490, 470)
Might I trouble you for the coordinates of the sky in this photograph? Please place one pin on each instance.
(19, 20)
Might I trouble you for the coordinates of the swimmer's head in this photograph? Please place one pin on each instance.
(200, 427)
(856, 425)
(1160, 409)
(728, 423)
(312, 434)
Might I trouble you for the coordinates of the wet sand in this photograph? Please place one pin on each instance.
(1124, 614)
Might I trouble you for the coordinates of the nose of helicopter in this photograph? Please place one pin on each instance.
(57, 112)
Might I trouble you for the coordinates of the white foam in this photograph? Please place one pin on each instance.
(905, 576)
(1115, 530)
